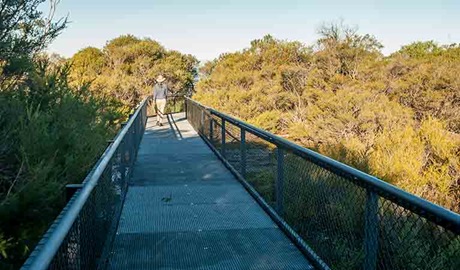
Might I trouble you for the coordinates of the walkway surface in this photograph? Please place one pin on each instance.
(185, 210)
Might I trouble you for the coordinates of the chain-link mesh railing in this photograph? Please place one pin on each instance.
(174, 104)
(81, 236)
(345, 218)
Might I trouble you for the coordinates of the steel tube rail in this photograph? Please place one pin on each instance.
(44, 257)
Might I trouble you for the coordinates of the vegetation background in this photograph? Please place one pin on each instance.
(396, 117)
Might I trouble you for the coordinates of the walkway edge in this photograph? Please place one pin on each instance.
(285, 228)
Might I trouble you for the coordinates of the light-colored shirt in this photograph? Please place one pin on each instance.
(160, 91)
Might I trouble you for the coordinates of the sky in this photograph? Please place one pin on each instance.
(207, 28)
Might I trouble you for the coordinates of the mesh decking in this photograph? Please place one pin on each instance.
(185, 210)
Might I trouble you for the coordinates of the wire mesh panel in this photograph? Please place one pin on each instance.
(348, 219)
(326, 210)
(410, 241)
(80, 238)
(261, 167)
(175, 104)
(230, 147)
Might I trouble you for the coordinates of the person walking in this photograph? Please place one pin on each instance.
(160, 94)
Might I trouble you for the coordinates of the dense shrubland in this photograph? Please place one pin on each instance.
(57, 114)
(396, 117)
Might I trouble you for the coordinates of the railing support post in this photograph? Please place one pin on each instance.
(122, 161)
(185, 107)
(211, 135)
(243, 152)
(130, 137)
(222, 149)
(371, 238)
(136, 138)
(123, 164)
(279, 180)
(131, 146)
(202, 122)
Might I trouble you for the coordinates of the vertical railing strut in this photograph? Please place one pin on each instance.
(211, 135)
(371, 230)
(279, 180)
(202, 123)
(223, 131)
(123, 158)
(186, 108)
(243, 152)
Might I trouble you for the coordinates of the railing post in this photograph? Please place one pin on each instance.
(222, 149)
(134, 136)
(211, 135)
(243, 152)
(186, 108)
(279, 180)
(139, 131)
(131, 147)
(143, 119)
(123, 161)
(371, 231)
(202, 122)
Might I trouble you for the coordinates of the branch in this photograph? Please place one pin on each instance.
(14, 182)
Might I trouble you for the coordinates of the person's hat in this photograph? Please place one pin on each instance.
(161, 79)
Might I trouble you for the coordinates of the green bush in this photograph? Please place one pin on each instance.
(51, 135)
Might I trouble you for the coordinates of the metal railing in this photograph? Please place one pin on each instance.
(174, 104)
(339, 217)
(81, 236)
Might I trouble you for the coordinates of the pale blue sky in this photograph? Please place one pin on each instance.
(207, 28)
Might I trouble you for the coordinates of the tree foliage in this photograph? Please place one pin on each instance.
(396, 117)
(24, 31)
(50, 132)
(127, 66)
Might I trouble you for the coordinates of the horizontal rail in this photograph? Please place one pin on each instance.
(435, 213)
(44, 256)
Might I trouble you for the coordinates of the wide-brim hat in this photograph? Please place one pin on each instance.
(161, 79)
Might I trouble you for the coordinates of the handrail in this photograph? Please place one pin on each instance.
(429, 210)
(54, 240)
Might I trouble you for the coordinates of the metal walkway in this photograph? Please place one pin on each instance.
(185, 210)
(181, 208)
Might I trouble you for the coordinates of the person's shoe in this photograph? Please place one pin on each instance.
(160, 124)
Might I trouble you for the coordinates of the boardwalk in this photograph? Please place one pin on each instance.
(185, 210)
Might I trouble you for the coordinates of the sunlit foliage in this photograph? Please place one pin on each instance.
(396, 117)
(127, 66)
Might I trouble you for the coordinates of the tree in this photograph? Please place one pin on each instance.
(127, 66)
(420, 49)
(345, 49)
(87, 64)
(24, 31)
